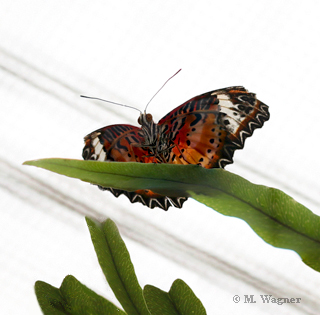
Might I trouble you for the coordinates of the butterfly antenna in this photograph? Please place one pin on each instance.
(161, 88)
(100, 99)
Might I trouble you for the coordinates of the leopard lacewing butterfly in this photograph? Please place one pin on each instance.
(205, 130)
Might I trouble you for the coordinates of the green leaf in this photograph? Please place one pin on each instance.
(72, 298)
(179, 301)
(117, 267)
(158, 301)
(83, 301)
(185, 300)
(273, 215)
(127, 176)
(50, 299)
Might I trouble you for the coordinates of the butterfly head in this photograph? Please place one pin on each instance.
(145, 119)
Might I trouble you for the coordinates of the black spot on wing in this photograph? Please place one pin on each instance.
(198, 117)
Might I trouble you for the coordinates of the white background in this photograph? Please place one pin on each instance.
(53, 51)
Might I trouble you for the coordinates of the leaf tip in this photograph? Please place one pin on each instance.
(28, 162)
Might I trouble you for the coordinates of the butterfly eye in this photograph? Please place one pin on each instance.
(149, 117)
(139, 121)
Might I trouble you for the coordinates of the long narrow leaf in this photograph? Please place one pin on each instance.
(273, 215)
(117, 267)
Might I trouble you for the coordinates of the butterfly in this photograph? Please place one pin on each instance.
(205, 130)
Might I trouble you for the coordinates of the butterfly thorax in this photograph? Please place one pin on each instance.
(155, 140)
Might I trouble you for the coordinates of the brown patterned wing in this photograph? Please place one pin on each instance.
(122, 143)
(207, 129)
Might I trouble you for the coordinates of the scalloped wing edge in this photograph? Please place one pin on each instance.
(163, 202)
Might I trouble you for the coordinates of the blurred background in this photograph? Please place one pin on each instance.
(123, 51)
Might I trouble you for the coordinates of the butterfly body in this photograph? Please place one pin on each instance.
(206, 130)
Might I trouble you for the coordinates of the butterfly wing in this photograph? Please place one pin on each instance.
(207, 129)
(114, 143)
(122, 143)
